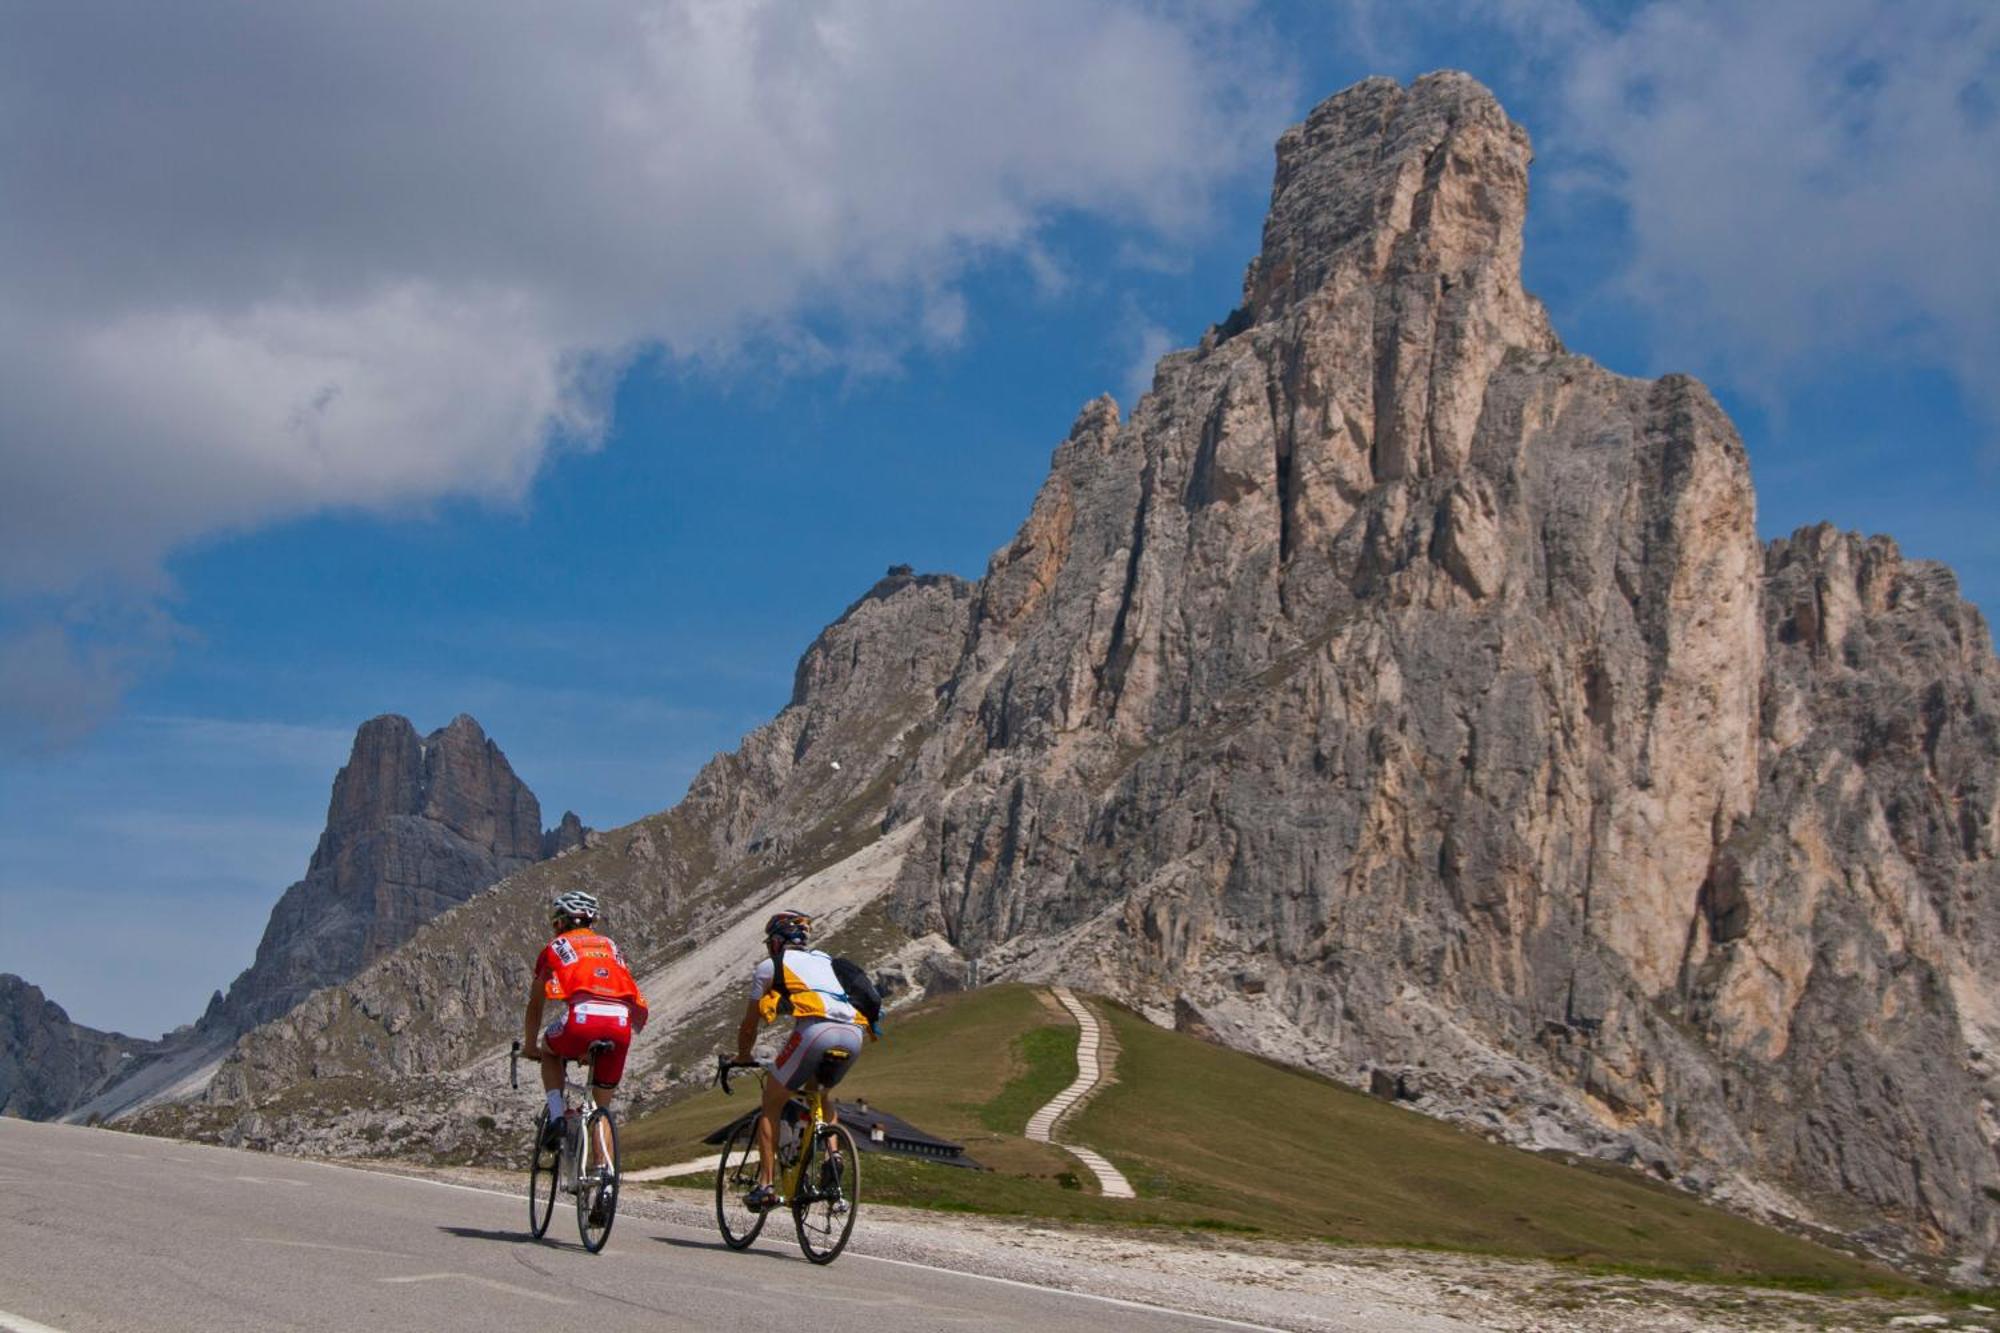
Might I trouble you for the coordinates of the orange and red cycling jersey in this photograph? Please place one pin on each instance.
(582, 962)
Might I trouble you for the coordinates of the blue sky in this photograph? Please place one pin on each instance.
(334, 389)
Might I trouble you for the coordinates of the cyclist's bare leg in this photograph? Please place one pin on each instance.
(552, 1073)
(776, 1094)
(603, 1096)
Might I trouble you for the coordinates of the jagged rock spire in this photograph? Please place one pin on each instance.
(414, 826)
(1384, 180)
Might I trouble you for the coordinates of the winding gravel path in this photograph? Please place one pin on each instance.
(1041, 1126)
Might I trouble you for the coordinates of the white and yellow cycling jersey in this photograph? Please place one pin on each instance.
(810, 986)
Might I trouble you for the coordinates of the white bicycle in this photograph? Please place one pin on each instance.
(584, 1164)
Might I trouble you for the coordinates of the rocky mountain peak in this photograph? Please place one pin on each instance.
(47, 1062)
(455, 776)
(383, 776)
(1383, 182)
(414, 826)
(568, 834)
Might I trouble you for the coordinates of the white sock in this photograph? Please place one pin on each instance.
(556, 1107)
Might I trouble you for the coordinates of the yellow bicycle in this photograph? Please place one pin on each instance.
(818, 1171)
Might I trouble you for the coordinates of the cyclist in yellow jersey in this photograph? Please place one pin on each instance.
(798, 981)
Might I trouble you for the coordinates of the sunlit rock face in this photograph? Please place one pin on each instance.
(1397, 690)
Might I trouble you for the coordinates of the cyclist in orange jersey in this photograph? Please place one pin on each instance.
(587, 972)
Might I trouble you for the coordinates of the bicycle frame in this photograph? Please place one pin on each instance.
(787, 1179)
(579, 1146)
(814, 1125)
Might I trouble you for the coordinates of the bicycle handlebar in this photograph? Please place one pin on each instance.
(514, 1065)
(723, 1064)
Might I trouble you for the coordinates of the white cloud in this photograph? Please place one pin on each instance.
(134, 433)
(258, 262)
(1805, 181)
(262, 261)
(1149, 342)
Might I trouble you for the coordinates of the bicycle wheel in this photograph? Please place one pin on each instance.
(829, 1195)
(597, 1187)
(736, 1176)
(541, 1180)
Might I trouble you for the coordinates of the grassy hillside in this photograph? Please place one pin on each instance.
(1214, 1139)
(971, 1068)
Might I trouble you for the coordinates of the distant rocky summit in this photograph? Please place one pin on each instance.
(416, 825)
(48, 1063)
(1394, 693)
(566, 836)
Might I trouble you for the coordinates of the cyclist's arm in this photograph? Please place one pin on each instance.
(746, 1031)
(531, 1026)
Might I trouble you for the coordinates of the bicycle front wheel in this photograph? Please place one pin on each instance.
(597, 1180)
(736, 1176)
(829, 1195)
(541, 1180)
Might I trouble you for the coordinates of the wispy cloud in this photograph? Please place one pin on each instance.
(64, 665)
(251, 742)
(1805, 182)
(1149, 342)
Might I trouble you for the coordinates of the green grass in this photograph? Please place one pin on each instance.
(1047, 1059)
(1259, 1144)
(1217, 1141)
(945, 1063)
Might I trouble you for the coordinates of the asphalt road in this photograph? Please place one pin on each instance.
(101, 1230)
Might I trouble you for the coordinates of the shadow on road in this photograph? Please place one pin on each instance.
(478, 1233)
(687, 1244)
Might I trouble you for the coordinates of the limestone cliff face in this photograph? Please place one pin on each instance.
(416, 825)
(1396, 690)
(1397, 674)
(1845, 966)
(1393, 691)
(48, 1063)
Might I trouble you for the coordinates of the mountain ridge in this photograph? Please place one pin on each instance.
(48, 1062)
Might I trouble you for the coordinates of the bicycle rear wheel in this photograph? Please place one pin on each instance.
(829, 1195)
(597, 1188)
(541, 1180)
(736, 1176)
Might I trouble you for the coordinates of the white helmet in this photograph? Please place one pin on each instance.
(576, 905)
